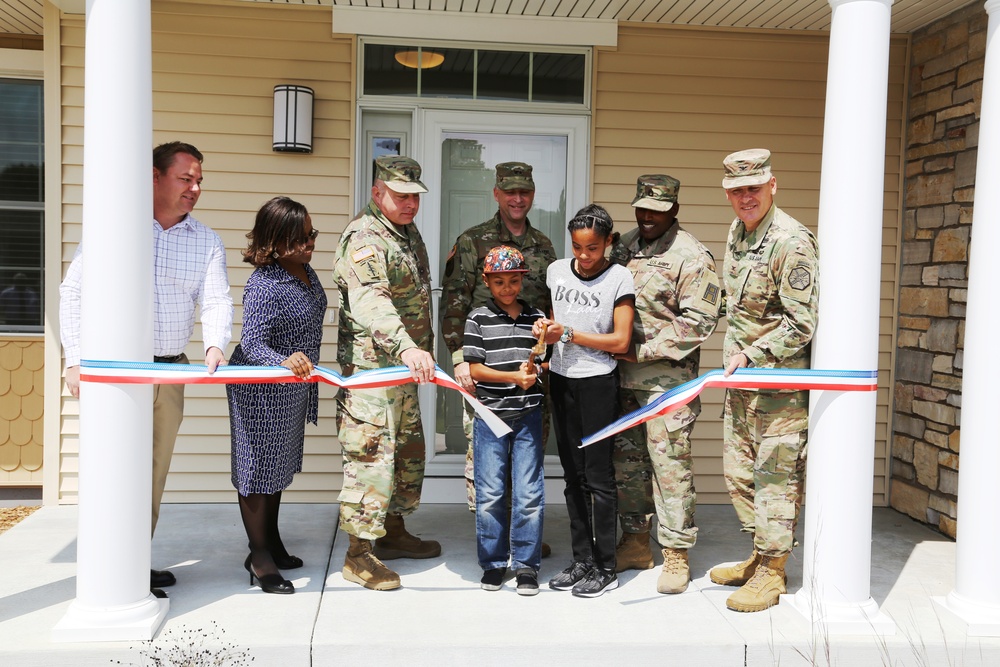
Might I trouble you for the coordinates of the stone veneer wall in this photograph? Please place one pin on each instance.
(946, 83)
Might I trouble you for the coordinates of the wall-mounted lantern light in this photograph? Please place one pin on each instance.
(293, 118)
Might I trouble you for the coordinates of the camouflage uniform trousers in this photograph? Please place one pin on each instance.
(467, 417)
(764, 462)
(653, 473)
(382, 441)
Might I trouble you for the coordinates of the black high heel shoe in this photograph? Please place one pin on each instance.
(269, 583)
(286, 561)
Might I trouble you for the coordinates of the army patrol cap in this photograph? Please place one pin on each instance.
(749, 167)
(504, 259)
(514, 176)
(400, 174)
(656, 192)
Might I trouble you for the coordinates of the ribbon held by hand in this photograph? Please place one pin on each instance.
(744, 378)
(137, 372)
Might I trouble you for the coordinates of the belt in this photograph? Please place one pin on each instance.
(176, 359)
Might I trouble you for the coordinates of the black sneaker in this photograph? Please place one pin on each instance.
(571, 576)
(597, 582)
(492, 579)
(527, 582)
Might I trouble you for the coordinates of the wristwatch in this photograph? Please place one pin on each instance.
(567, 335)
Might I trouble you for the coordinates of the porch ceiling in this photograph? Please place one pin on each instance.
(25, 16)
(21, 17)
(907, 15)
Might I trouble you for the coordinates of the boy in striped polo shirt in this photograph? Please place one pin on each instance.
(497, 345)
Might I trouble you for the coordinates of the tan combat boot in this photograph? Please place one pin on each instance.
(764, 587)
(398, 543)
(633, 553)
(736, 575)
(362, 567)
(676, 574)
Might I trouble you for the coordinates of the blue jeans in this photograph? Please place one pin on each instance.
(509, 466)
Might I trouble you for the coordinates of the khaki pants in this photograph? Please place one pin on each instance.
(168, 411)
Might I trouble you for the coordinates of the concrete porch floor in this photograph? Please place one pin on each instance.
(441, 617)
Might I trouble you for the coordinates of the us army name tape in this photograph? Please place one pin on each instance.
(138, 372)
(744, 378)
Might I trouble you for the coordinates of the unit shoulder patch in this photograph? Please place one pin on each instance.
(799, 278)
(366, 264)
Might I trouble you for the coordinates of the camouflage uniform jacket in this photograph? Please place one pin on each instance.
(463, 286)
(677, 298)
(772, 289)
(383, 275)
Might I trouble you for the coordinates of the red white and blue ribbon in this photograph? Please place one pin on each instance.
(137, 372)
(744, 378)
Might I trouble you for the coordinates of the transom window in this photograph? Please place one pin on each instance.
(22, 204)
(474, 73)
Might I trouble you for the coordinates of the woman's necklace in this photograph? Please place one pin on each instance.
(598, 269)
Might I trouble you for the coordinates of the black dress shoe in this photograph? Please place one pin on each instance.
(161, 578)
(269, 583)
(157, 593)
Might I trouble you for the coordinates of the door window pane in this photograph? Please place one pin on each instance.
(558, 77)
(503, 75)
(384, 75)
(455, 77)
(468, 160)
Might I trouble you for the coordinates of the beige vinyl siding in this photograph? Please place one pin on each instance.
(214, 69)
(677, 100)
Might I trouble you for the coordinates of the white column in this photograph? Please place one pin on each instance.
(113, 601)
(976, 594)
(838, 511)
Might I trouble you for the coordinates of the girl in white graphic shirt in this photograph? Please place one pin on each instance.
(592, 310)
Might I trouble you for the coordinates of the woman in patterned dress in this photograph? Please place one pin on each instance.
(283, 308)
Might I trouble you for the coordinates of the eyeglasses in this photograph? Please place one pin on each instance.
(311, 236)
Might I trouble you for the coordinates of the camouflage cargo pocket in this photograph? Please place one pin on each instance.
(354, 496)
(362, 425)
(778, 457)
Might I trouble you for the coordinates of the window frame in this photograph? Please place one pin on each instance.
(475, 102)
(29, 206)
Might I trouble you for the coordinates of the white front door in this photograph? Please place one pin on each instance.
(458, 152)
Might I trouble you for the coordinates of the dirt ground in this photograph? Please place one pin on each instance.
(10, 516)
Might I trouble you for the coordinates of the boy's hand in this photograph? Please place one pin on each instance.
(463, 378)
(524, 377)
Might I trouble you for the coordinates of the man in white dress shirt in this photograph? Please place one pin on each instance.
(190, 270)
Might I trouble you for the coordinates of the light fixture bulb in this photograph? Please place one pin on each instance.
(419, 59)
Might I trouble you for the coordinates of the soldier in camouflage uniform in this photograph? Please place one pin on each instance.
(382, 272)
(677, 300)
(463, 286)
(771, 283)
